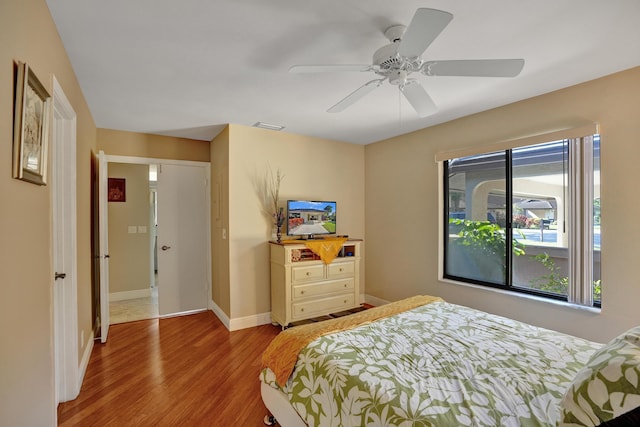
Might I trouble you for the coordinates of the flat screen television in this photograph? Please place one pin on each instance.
(308, 218)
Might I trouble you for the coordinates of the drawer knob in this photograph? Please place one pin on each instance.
(345, 301)
(345, 285)
(308, 273)
(301, 292)
(302, 309)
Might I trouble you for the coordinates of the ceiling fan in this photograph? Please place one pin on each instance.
(396, 61)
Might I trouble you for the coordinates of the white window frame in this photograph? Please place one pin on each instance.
(580, 198)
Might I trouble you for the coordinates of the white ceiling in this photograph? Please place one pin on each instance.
(186, 68)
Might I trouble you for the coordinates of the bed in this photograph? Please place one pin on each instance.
(426, 362)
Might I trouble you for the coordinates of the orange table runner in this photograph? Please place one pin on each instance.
(327, 249)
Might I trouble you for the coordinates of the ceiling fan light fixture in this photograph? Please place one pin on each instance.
(269, 126)
(398, 77)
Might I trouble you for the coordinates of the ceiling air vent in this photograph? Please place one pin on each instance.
(267, 126)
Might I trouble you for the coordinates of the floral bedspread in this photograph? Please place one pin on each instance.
(436, 365)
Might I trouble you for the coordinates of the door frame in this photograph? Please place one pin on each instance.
(151, 161)
(68, 374)
(103, 244)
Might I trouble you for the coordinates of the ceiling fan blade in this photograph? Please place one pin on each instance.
(425, 26)
(474, 68)
(330, 68)
(418, 98)
(355, 95)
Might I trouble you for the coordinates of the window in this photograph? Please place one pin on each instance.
(526, 219)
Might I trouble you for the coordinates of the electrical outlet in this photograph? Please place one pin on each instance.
(224, 234)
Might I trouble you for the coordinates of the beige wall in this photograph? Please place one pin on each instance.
(130, 260)
(220, 221)
(314, 169)
(26, 349)
(402, 195)
(123, 143)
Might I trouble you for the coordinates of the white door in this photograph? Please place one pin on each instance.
(65, 304)
(103, 227)
(182, 239)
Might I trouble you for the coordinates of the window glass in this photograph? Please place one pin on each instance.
(540, 217)
(476, 218)
(512, 217)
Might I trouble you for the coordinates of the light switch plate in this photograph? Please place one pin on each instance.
(133, 229)
(142, 229)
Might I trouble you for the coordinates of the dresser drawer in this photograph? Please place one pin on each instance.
(304, 310)
(340, 269)
(316, 289)
(307, 273)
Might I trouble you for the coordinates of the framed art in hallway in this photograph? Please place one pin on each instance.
(117, 190)
(30, 127)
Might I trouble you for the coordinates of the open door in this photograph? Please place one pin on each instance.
(103, 245)
(65, 303)
(183, 254)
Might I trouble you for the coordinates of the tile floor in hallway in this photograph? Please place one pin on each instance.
(131, 310)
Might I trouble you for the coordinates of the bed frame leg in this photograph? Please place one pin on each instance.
(269, 420)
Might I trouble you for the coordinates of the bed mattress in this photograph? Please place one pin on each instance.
(438, 364)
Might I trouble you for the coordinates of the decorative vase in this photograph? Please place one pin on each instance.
(279, 235)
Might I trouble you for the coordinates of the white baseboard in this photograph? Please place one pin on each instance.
(182, 313)
(82, 369)
(239, 322)
(250, 321)
(375, 301)
(138, 293)
(265, 318)
(219, 313)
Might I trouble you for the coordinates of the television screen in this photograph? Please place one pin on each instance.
(308, 218)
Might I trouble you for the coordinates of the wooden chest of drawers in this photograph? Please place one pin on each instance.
(303, 286)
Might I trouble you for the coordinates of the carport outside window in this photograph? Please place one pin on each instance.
(527, 219)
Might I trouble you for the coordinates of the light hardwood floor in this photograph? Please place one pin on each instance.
(181, 371)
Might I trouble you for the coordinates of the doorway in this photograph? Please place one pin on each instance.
(132, 291)
(143, 277)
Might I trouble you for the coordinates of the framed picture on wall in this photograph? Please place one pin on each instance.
(117, 190)
(30, 127)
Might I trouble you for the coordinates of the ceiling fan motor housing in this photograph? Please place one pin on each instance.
(391, 63)
(387, 56)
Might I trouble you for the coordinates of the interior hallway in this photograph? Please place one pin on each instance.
(131, 310)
